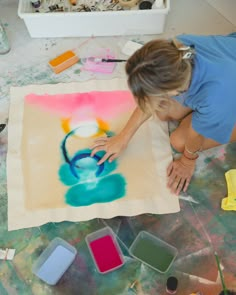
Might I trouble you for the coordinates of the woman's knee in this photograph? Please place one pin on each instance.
(177, 141)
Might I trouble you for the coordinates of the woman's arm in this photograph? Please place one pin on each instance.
(193, 144)
(114, 145)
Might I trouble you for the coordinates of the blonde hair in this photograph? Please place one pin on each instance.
(156, 68)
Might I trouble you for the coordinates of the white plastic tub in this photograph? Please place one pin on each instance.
(86, 24)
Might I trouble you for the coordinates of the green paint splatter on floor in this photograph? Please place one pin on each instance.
(78, 71)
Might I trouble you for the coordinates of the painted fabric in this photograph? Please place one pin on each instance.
(51, 176)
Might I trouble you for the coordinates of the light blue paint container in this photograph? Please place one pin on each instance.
(54, 261)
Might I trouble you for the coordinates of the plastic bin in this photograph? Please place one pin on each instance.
(153, 252)
(54, 261)
(86, 24)
(105, 250)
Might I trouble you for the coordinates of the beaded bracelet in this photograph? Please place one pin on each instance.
(192, 159)
(190, 152)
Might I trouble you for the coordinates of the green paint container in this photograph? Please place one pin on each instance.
(153, 252)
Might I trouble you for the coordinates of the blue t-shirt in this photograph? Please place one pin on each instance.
(212, 91)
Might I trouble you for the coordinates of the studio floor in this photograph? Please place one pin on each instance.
(197, 231)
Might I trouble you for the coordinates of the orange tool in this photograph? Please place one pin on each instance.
(63, 61)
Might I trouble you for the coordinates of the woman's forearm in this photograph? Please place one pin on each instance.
(193, 144)
(135, 121)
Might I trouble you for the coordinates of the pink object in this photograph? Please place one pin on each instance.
(101, 67)
(106, 254)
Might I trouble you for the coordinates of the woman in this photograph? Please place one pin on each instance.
(191, 79)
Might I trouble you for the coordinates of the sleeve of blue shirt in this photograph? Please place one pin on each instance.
(213, 118)
(212, 93)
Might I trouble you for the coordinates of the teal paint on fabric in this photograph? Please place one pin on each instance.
(66, 176)
(106, 189)
(87, 169)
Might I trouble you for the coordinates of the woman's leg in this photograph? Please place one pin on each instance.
(179, 135)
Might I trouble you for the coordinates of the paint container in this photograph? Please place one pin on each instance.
(171, 285)
(63, 61)
(54, 261)
(153, 252)
(4, 42)
(105, 250)
(90, 64)
(158, 4)
(146, 4)
(35, 3)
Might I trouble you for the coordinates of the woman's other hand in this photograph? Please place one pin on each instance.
(179, 173)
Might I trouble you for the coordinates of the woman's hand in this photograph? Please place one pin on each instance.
(180, 172)
(113, 146)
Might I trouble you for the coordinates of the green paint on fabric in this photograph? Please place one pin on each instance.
(106, 189)
(153, 254)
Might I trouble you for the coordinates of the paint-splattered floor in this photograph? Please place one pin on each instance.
(197, 231)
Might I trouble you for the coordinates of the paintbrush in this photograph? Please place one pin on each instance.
(109, 60)
(97, 59)
(221, 274)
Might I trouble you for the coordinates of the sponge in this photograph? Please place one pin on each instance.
(63, 61)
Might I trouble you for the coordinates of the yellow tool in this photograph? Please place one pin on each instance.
(229, 203)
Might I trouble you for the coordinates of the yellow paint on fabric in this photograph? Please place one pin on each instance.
(103, 127)
(65, 124)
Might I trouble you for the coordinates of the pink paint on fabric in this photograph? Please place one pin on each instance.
(106, 253)
(103, 104)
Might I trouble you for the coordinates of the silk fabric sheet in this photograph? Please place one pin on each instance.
(50, 174)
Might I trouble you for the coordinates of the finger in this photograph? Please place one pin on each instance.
(95, 145)
(169, 169)
(180, 186)
(187, 182)
(103, 159)
(113, 157)
(174, 187)
(104, 138)
(172, 179)
(98, 142)
(97, 149)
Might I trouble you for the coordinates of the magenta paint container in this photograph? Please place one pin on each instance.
(105, 250)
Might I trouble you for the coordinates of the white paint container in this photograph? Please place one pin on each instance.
(86, 24)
